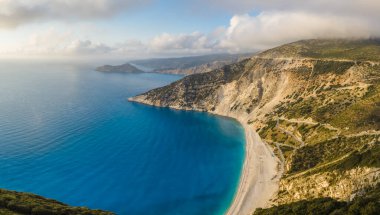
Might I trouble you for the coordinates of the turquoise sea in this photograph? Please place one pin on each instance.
(69, 133)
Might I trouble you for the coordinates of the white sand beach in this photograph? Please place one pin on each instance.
(259, 178)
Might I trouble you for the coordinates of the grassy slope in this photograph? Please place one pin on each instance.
(12, 202)
(325, 101)
(348, 114)
(340, 112)
(360, 50)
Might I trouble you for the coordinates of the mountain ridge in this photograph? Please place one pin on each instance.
(181, 65)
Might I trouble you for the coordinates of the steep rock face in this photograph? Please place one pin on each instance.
(320, 114)
(236, 89)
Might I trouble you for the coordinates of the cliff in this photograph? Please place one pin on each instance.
(315, 102)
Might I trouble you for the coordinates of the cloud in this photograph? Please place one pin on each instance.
(247, 33)
(52, 42)
(341, 7)
(195, 41)
(261, 24)
(276, 24)
(86, 47)
(268, 29)
(18, 12)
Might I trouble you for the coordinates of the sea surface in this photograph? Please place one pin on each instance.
(69, 133)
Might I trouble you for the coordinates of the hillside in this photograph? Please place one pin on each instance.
(315, 102)
(125, 68)
(356, 50)
(366, 204)
(189, 65)
(17, 203)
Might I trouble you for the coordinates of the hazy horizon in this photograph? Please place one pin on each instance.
(132, 29)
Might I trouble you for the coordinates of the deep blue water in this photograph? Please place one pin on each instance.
(68, 133)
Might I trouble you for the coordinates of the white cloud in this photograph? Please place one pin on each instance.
(278, 23)
(46, 42)
(247, 33)
(86, 47)
(52, 42)
(193, 41)
(274, 28)
(337, 7)
(18, 12)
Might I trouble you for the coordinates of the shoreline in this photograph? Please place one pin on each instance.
(260, 175)
(259, 178)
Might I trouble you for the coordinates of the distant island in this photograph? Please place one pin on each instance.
(124, 68)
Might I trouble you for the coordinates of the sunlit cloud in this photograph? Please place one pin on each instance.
(254, 25)
(269, 29)
(19, 12)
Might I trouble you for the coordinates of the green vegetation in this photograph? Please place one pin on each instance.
(316, 206)
(276, 135)
(358, 50)
(352, 110)
(368, 156)
(324, 143)
(367, 204)
(12, 202)
(336, 67)
(323, 107)
(312, 155)
(362, 115)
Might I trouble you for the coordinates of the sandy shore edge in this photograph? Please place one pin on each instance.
(259, 177)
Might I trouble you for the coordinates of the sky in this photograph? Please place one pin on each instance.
(159, 28)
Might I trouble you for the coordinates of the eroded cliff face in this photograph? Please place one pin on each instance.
(236, 90)
(321, 116)
(340, 185)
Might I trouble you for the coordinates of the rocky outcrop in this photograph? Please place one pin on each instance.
(325, 104)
